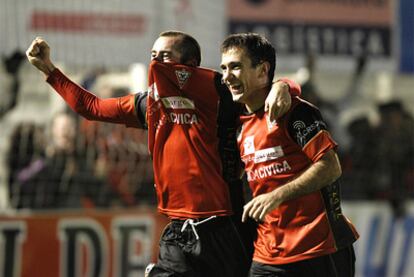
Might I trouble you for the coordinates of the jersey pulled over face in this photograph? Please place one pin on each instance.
(183, 106)
(164, 50)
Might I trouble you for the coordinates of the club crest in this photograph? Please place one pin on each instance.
(182, 77)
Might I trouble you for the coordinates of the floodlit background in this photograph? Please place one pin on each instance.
(68, 181)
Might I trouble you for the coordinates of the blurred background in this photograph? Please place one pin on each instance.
(77, 198)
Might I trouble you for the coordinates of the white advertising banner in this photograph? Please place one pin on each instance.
(385, 247)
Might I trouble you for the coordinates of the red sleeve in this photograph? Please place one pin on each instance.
(294, 88)
(115, 110)
(319, 145)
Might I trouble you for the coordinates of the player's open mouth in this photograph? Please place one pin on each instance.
(236, 89)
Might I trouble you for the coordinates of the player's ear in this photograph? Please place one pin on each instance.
(264, 68)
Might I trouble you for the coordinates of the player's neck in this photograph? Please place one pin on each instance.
(257, 100)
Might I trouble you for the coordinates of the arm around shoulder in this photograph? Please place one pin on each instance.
(279, 100)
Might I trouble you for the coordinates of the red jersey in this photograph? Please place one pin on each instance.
(183, 141)
(185, 128)
(305, 227)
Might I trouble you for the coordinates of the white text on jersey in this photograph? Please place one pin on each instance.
(268, 171)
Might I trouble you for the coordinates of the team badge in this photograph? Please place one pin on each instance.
(248, 145)
(182, 77)
(153, 92)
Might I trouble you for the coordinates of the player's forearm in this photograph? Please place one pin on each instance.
(88, 105)
(318, 175)
(79, 99)
(75, 96)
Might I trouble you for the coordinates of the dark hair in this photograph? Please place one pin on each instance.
(257, 47)
(188, 46)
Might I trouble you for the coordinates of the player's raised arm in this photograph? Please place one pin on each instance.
(119, 110)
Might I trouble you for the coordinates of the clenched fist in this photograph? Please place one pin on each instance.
(38, 55)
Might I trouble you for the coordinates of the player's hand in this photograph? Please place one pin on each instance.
(278, 101)
(260, 206)
(38, 55)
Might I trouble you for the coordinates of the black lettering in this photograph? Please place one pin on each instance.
(12, 235)
(127, 234)
(75, 234)
(291, 38)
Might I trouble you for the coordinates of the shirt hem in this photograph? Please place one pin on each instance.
(293, 259)
(185, 215)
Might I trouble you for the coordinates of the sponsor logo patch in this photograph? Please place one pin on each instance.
(268, 154)
(178, 102)
(305, 132)
(298, 125)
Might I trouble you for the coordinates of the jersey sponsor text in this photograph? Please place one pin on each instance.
(268, 171)
(182, 118)
(178, 102)
(268, 154)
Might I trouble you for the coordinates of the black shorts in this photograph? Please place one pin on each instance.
(338, 264)
(217, 252)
